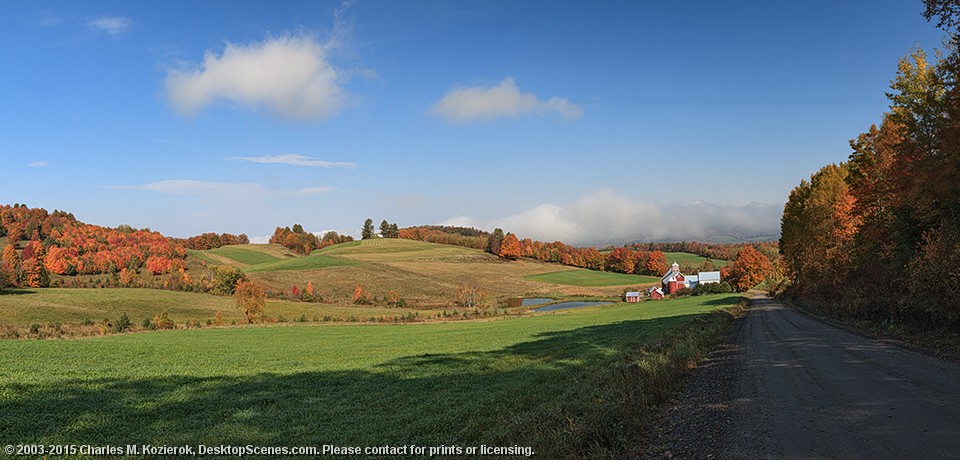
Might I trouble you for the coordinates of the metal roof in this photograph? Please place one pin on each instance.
(709, 276)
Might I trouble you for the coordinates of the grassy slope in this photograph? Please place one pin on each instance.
(564, 384)
(244, 255)
(71, 306)
(593, 278)
(311, 262)
(424, 273)
(689, 262)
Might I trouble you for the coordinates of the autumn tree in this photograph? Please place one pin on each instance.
(656, 264)
(251, 299)
(749, 270)
(11, 265)
(510, 247)
(226, 279)
(367, 231)
(620, 260)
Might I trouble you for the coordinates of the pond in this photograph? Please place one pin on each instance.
(566, 305)
(535, 301)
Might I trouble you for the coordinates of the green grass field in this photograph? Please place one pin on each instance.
(593, 278)
(571, 385)
(245, 256)
(311, 262)
(689, 262)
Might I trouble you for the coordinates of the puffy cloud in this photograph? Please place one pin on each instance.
(114, 26)
(290, 76)
(605, 217)
(502, 101)
(296, 160)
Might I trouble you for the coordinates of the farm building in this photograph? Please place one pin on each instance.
(709, 277)
(673, 280)
(656, 293)
(632, 297)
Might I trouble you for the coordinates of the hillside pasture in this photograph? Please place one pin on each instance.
(593, 278)
(689, 262)
(525, 381)
(425, 274)
(244, 255)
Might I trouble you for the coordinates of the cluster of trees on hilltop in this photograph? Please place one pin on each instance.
(206, 241)
(458, 236)
(715, 251)
(303, 242)
(56, 243)
(878, 236)
(620, 260)
(387, 230)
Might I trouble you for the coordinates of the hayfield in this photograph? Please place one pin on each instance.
(72, 306)
(424, 274)
(573, 384)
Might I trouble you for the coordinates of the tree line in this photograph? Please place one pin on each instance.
(878, 236)
(56, 243)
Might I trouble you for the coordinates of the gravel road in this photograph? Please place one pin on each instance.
(788, 386)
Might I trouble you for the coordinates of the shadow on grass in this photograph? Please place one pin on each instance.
(16, 291)
(559, 393)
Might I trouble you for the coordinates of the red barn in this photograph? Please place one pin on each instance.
(673, 280)
(656, 293)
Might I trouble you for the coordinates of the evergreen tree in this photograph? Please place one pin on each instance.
(494, 241)
(367, 231)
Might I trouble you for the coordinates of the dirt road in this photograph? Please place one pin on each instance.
(788, 386)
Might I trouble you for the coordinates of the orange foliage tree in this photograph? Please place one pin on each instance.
(510, 247)
(749, 270)
(250, 298)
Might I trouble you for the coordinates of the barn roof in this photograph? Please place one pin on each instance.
(633, 294)
(709, 276)
(692, 278)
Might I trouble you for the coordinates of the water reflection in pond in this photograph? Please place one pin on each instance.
(535, 301)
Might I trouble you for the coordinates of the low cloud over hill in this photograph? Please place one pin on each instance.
(606, 217)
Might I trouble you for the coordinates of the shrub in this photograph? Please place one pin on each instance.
(226, 279)
(122, 324)
(163, 321)
(684, 291)
(713, 288)
(34, 328)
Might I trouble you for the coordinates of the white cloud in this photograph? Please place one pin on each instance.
(38, 164)
(233, 189)
(296, 160)
(260, 239)
(195, 187)
(114, 26)
(606, 217)
(290, 76)
(503, 101)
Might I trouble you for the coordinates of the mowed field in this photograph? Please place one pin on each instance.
(569, 384)
(423, 274)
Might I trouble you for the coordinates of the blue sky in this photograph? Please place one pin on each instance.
(585, 122)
